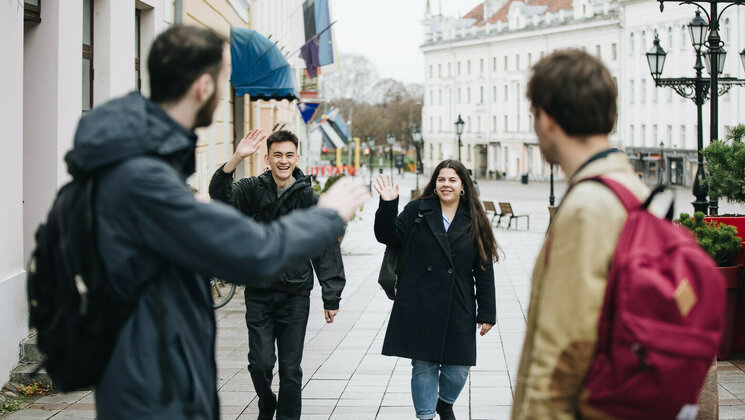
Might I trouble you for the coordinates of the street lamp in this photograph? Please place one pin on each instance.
(715, 56)
(696, 89)
(371, 147)
(459, 130)
(391, 141)
(416, 134)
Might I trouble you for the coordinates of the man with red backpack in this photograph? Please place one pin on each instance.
(619, 324)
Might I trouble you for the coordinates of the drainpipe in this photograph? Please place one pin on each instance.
(178, 12)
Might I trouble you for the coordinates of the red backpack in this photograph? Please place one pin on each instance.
(660, 323)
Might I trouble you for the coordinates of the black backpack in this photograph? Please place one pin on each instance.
(75, 313)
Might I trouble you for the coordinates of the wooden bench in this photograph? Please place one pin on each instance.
(490, 207)
(506, 210)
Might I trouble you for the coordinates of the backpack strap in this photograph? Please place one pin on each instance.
(629, 200)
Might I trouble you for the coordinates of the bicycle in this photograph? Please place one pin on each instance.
(222, 292)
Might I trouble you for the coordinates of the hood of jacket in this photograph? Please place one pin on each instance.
(126, 127)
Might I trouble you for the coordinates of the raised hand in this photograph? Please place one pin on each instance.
(250, 143)
(345, 197)
(385, 188)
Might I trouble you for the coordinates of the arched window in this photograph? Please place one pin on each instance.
(726, 31)
(683, 37)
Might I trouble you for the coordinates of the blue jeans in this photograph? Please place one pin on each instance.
(428, 378)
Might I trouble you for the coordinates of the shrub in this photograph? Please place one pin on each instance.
(726, 164)
(720, 241)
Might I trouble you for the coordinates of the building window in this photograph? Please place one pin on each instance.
(431, 125)
(439, 124)
(481, 65)
(459, 101)
(450, 73)
(631, 44)
(481, 95)
(517, 62)
(494, 93)
(644, 91)
(478, 124)
(431, 97)
(683, 136)
(643, 42)
(643, 135)
(494, 64)
(468, 67)
(530, 59)
(614, 51)
(505, 62)
(430, 71)
(87, 55)
(468, 153)
(494, 124)
(32, 11)
(439, 96)
(506, 127)
(669, 136)
(439, 70)
(631, 91)
(655, 135)
(431, 151)
(683, 37)
(505, 93)
(598, 51)
(631, 135)
(468, 95)
(458, 68)
(439, 151)
(468, 125)
(138, 26)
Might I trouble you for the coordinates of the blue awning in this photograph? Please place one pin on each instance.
(259, 69)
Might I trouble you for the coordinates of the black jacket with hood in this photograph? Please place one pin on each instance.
(257, 197)
(159, 245)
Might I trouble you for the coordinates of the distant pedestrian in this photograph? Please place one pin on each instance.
(445, 291)
(277, 310)
(573, 101)
(160, 245)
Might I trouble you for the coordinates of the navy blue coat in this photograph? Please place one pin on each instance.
(152, 232)
(442, 290)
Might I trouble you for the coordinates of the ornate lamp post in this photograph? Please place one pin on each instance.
(391, 141)
(715, 55)
(696, 89)
(416, 134)
(459, 130)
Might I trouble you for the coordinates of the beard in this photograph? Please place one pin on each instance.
(206, 112)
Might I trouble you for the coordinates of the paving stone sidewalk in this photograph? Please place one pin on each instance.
(346, 377)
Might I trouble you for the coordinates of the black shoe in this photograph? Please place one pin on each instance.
(445, 410)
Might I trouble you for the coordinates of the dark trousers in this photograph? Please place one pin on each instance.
(270, 316)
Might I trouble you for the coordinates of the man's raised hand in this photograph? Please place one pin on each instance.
(250, 143)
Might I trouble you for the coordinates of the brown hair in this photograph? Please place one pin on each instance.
(576, 90)
(481, 232)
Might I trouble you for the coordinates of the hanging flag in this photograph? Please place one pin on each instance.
(307, 109)
(323, 21)
(317, 22)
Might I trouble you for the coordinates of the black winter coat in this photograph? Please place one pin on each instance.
(153, 234)
(257, 197)
(442, 291)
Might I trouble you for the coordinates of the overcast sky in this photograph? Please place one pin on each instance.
(389, 32)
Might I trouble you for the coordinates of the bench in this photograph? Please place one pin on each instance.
(506, 210)
(490, 207)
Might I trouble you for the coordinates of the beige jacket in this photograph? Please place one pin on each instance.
(568, 287)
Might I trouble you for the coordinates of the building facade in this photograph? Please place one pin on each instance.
(478, 65)
(62, 58)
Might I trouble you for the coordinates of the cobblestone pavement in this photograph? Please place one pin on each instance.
(346, 377)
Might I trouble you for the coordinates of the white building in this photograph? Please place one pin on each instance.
(477, 66)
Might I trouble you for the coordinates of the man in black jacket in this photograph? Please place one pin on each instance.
(278, 310)
(159, 245)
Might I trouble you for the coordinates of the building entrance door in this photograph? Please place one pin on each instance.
(676, 171)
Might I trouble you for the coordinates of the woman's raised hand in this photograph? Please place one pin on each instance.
(385, 188)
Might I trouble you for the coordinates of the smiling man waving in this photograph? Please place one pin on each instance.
(278, 310)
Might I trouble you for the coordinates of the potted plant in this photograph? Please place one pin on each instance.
(721, 242)
(726, 165)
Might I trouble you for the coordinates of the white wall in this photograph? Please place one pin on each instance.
(12, 275)
(113, 49)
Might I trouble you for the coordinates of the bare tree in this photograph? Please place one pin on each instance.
(353, 79)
